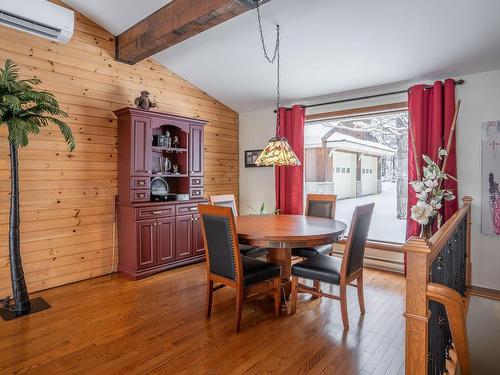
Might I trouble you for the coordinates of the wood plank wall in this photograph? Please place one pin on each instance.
(67, 198)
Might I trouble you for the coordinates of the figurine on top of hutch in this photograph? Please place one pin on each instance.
(160, 184)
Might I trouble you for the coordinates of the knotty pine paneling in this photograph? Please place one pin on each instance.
(67, 198)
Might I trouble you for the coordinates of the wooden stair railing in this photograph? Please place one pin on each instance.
(456, 310)
(438, 273)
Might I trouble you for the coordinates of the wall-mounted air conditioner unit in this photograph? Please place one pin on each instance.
(38, 17)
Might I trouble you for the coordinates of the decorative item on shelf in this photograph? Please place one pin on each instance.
(159, 187)
(158, 167)
(277, 151)
(175, 142)
(159, 140)
(23, 112)
(163, 165)
(168, 140)
(167, 165)
(430, 194)
(175, 169)
(144, 102)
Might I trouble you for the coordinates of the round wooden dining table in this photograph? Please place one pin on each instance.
(282, 233)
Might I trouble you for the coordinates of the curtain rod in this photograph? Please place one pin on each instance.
(457, 82)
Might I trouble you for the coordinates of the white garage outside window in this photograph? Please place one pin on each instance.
(362, 159)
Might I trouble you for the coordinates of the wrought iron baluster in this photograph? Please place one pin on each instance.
(448, 268)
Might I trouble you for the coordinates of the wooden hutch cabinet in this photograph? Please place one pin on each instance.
(157, 232)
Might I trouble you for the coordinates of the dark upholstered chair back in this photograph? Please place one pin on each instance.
(321, 205)
(221, 241)
(227, 200)
(355, 246)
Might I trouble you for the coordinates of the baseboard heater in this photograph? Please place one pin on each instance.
(379, 262)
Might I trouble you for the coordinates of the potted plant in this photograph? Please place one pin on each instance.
(262, 210)
(23, 111)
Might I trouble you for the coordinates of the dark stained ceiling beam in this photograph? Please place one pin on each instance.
(173, 23)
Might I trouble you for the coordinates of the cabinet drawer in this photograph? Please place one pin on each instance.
(187, 209)
(139, 182)
(139, 195)
(196, 181)
(149, 213)
(196, 192)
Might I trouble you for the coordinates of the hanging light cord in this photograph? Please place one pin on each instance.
(276, 57)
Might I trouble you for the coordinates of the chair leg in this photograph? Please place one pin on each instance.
(239, 309)
(210, 292)
(277, 296)
(343, 305)
(317, 286)
(361, 297)
(295, 281)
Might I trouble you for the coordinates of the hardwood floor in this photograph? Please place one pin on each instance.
(157, 326)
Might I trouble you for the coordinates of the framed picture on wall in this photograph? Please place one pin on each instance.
(250, 157)
(490, 186)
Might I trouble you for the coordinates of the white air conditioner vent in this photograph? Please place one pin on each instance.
(38, 17)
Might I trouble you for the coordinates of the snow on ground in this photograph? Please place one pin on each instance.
(384, 226)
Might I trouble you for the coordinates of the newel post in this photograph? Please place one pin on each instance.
(417, 313)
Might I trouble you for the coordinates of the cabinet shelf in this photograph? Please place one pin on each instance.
(168, 149)
(168, 175)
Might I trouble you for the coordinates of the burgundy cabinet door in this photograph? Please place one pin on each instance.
(146, 243)
(166, 240)
(196, 150)
(198, 248)
(183, 236)
(142, 143)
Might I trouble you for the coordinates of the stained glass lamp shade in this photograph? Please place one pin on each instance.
(277, 153)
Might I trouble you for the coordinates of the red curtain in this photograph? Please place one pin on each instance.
(431, 111)
(290, 180)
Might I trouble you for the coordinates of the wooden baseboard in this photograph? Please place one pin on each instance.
(485, 292)
(141, 274)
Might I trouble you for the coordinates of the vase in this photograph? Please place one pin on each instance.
(426, 229)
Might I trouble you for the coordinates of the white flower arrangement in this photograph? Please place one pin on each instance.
(428, 191)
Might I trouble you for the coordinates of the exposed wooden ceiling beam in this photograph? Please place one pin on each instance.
(175, 22)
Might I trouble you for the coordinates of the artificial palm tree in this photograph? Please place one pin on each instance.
(24, 111)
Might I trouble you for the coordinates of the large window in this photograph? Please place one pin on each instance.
(362, 159)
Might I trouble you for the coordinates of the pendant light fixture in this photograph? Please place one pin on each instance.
(277, 152)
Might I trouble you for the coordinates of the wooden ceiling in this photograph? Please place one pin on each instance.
(173, 23)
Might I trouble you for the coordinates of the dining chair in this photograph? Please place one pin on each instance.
(332, 270)
(319, 205)
(227, 266)
(228, 200)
